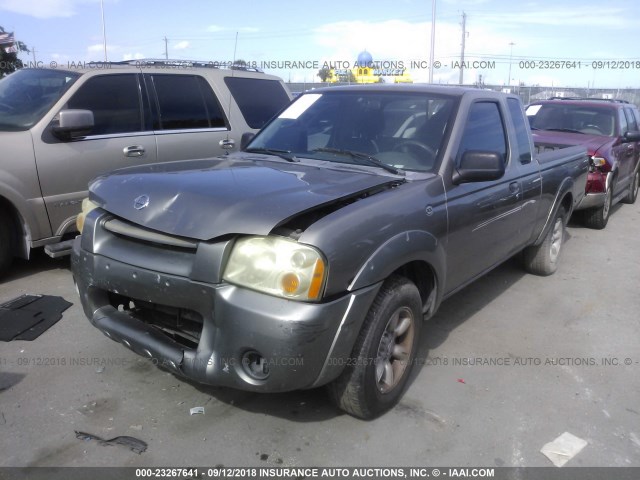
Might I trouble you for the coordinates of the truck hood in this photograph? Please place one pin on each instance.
(204, 199)
(593, 143)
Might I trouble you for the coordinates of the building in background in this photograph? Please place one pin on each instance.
(366, 70)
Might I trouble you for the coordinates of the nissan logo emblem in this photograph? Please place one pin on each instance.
(141, 202)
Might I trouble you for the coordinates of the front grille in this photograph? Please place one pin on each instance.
(180, 324)
(129, 230)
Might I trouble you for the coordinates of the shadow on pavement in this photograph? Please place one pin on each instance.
(39, 262)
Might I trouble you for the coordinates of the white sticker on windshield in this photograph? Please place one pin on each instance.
(533, 109)
(298, 107)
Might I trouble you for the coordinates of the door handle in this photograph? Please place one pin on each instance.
(227, 143)
(514, 189)
(134, 151)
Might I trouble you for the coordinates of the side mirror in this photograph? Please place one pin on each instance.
(246, 139)
(479, 166)
(633, 136)
(73, 124)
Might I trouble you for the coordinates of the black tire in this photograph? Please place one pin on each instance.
(632, 195)
(597, 218)
(6, 247)
(543, 259)
(383, 354)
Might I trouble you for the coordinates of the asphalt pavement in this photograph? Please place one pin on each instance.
(506, 366)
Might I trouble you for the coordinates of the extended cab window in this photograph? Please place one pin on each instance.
(114, 101)
(522, 130)
(484, 130)
(186, 102)
(259, 100)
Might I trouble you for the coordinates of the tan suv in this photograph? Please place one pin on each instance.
(60, 128)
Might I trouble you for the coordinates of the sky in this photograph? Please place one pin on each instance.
(571, 43)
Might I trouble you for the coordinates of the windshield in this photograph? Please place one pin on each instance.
(398, 129)
(592, 120)
(26, 95)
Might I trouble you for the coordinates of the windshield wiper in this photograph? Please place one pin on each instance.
(569, 130)
(286, 154)
(371, 160)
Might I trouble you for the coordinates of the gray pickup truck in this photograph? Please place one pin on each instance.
(311, 257)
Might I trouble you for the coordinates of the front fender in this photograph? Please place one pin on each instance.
(404, 248)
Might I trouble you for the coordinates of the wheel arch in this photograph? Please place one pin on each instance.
(425, 279)
(416, 255)
(19, 234)
(564, 200)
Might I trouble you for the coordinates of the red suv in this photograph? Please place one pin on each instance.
(609, 129)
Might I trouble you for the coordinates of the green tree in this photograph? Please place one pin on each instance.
(9, 61)
(325, 74)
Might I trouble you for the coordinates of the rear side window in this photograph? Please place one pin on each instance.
(624, 128)
(631, 120)
(258, 100)
(114, 101)
(522, 130)
(484, 130)
(186, 102)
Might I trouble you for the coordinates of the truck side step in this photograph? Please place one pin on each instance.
(61, 249)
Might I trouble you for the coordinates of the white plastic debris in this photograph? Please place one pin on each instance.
(563, 448)
(196, 411)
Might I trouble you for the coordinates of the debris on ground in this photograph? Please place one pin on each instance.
(28, 316)
(136, 427)
(134, 444)
(563, 448)
(196, 411)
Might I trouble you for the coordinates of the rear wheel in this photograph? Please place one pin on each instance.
(598, 218)
(633, 189)
(6, 247)
(543, 259)
(384, 352)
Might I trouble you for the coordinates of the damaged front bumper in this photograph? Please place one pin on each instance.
(213, 332)
(597, 186)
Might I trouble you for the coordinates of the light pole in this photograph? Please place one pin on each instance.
(511, 44)
(104, 32)
(433, 39)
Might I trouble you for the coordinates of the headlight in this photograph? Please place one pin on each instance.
(87, 206)
(277, 266)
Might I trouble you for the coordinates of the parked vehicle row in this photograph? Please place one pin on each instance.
(312, 257)
(609, 129)
(61, 128)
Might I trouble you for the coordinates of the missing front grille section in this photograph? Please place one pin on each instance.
(180, 324)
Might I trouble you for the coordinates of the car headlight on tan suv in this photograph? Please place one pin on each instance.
(87, 206)
(277, 266)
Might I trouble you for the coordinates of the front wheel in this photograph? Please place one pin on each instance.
(384, 352)
(597, 218)
(543, 259)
